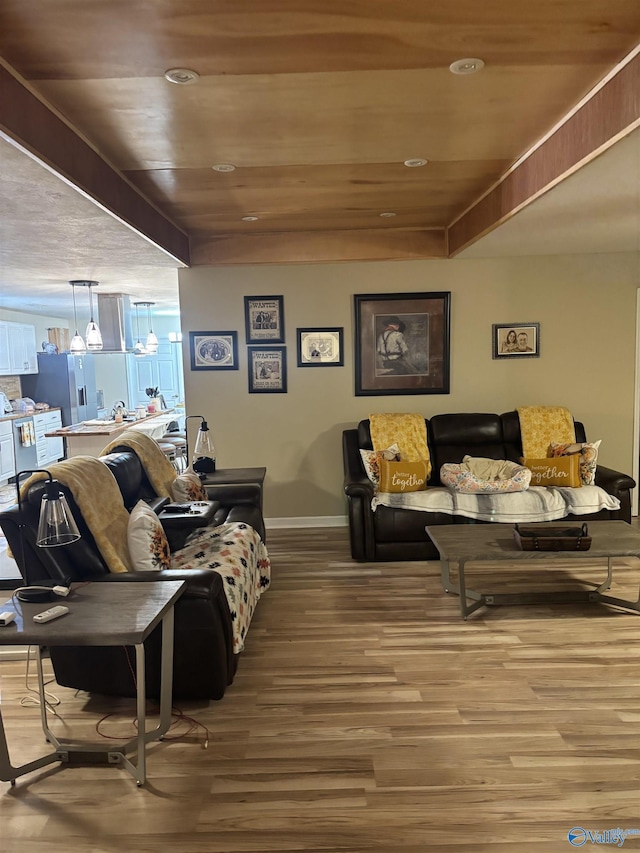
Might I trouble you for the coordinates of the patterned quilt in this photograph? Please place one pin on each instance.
(237, 553)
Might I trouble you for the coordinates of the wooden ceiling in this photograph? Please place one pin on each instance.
(317, 105)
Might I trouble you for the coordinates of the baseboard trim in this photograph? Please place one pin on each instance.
(307, 521)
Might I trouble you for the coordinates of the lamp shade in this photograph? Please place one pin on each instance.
(204, 454)
(57, 525)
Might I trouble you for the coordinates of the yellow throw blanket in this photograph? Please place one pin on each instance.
(96, 492)
(408, 431)
(160, 472)
(540, 425)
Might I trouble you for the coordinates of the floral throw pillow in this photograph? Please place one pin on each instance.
(147, 541)
(588, 458)
(188, 487)
(371, 461)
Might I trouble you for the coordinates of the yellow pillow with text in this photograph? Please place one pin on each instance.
(561, 471)
(398, 477)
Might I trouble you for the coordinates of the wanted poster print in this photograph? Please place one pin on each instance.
(267, 369)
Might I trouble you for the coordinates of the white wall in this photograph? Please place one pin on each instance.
(585, 305)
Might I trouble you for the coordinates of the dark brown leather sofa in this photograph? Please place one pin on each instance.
(204, 662)
(390, 534)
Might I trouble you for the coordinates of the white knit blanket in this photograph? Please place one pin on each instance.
(537, 503)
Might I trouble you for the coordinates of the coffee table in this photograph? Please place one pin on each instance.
(100, 614)
(459, 544)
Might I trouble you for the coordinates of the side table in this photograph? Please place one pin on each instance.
(237, 477)
(100, 614)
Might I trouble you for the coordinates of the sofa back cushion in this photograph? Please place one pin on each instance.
(451, 437)
(130, 476)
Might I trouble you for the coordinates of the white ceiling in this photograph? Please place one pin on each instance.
(69, 237)
(595, 210)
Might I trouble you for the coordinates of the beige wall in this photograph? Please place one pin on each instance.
(586, 306)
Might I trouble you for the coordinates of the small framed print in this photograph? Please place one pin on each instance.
(516, 340)
(213, 350)
(267, 370)
(320, 347)
(264, 319)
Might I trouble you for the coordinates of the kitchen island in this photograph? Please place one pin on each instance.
(90, 437)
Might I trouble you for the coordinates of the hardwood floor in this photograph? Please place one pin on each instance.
(366, 717)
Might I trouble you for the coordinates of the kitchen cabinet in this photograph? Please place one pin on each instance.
(21, 344)
(5, 361)
(7, 454)
(48, 450)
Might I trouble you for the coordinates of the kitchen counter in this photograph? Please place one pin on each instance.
(89, 438)
(17, 416)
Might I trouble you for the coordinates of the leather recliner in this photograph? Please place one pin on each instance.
(204, 662)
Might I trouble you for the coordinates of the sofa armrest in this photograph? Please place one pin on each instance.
(619, 485)
(613, 482)
(201, 583)
(359, 491)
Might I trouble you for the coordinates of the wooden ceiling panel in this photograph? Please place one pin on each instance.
(76, 39)
(317, 105)
(315, 197)
(302, 119)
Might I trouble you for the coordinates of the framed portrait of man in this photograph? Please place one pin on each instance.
(402, 343)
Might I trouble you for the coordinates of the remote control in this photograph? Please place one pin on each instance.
(51, 613)
(7, 617)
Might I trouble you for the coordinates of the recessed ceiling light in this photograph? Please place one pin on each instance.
(414, 162)
(249, 218)
(224, 167)
(182, 76)
(388, 215)
(466, 66)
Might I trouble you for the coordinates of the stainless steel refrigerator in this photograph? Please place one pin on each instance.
(65, 380)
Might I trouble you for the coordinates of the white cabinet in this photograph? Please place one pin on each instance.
(5, 361)
(22, 348)
(48, 450)
(7, 454)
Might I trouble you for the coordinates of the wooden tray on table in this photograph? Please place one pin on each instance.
(560, 538)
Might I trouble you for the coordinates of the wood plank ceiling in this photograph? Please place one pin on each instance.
(317, 106)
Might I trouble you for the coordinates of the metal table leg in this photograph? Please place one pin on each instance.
(91, 752)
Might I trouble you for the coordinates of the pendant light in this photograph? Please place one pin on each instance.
(138, 347)
(77, 346)
(151, 344)
(93, 336)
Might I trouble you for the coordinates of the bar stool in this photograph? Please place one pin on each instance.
(180, 449)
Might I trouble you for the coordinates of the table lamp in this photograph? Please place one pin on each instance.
(204, 454)
(56, 527)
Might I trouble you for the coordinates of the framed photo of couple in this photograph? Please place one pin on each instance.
(516, 340)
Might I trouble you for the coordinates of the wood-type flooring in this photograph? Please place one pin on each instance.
(366, 717)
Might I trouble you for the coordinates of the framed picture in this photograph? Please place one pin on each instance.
(320, 347)
(267, 370)
(516, 340)
(264, 318)
(213, 350)
(402, 343)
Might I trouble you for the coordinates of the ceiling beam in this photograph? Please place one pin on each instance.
(308, 247)
(29, 123)
(608, 114)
